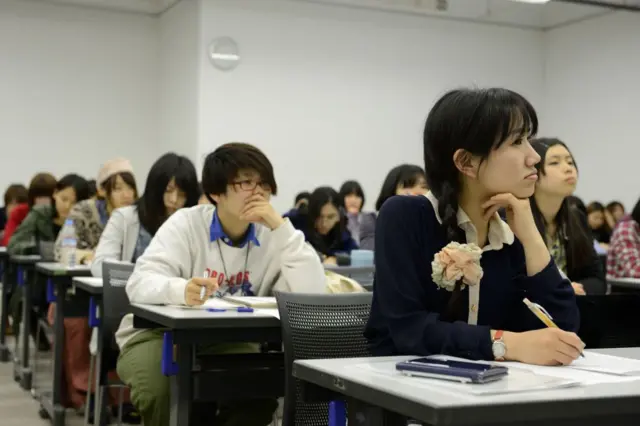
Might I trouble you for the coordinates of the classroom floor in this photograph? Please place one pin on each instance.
(17, 407)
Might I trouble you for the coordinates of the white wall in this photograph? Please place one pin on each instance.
(179, 38)
(77, 86)
(592, 97)
(316, 81)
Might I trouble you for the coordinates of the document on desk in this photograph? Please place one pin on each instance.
(518, 380)
(593, 369)
(217, 303)
(607, 364)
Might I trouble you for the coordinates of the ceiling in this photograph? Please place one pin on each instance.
(501, 12)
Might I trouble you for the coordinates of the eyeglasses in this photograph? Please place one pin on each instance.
(250, 185)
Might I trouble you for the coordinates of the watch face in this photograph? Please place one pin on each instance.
(499, 349)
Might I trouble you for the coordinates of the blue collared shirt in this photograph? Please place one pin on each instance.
(217, 232)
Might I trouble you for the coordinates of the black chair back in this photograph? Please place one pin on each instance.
(115, 302)
(317, 326)
(606, 321)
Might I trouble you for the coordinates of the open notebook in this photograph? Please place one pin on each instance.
(253, 301)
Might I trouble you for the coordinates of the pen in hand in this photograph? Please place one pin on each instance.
(203, 289)
(543, 316)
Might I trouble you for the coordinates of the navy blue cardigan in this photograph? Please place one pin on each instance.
(407, 304)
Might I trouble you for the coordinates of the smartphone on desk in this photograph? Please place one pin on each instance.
(453, 370)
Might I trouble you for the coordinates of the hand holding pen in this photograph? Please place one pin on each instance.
(198, 290)
(547, 346)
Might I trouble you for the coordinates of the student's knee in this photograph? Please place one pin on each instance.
(139, 366)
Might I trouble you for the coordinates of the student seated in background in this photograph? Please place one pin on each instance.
(42, 224)
(40, 190)
(600, 228)
(405, 179)
(615, 212)
(563, 227)
(623, 259)
(300, 203)
(172, 183)
(44, 221)
(478, 160)
(116, 189)
(14, 195)
(324, 226)
(245, 247)
(352, 200)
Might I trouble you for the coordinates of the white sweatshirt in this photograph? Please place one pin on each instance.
(182, 249)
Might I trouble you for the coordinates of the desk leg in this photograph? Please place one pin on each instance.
(101, 396)
(5, 353)
(181, 387)
(25, 370)
(58, 408)
(363, 414)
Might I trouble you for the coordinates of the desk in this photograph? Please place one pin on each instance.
(190, 327)
(22, 371)
(382, 398)
(60, 277)
(626, 283)
(92, 285)
(5, 352)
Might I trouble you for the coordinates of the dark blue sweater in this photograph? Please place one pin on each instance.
(407, 304)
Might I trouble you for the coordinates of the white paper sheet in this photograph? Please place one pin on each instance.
(607, 364)
(516, 381)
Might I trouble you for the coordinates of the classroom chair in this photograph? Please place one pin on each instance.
(607, 321)
(318, 326)
(115, 305)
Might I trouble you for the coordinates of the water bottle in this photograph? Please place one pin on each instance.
(69, 244)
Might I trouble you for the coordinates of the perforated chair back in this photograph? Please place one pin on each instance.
(318, 326)
(115, 302)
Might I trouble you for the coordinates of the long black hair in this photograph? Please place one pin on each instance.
(635, 213)
(333, 240)
(151, 209)
(476, 121)
(351, 187)
(405, 175)
(570, 225)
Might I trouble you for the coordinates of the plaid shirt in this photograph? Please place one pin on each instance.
(623, 259)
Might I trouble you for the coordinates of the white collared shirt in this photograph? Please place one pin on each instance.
(499, 231)
(499, 234)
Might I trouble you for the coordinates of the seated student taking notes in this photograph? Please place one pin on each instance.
(245, 248)
(451, 275)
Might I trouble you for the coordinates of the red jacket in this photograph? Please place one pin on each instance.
(17, 216)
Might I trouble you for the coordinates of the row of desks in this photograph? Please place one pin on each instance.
(373, 397)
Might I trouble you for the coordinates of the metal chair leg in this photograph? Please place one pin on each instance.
(36, 353)
(120, 404)
(87, 409)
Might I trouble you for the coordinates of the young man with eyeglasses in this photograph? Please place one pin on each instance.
(239, 245)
